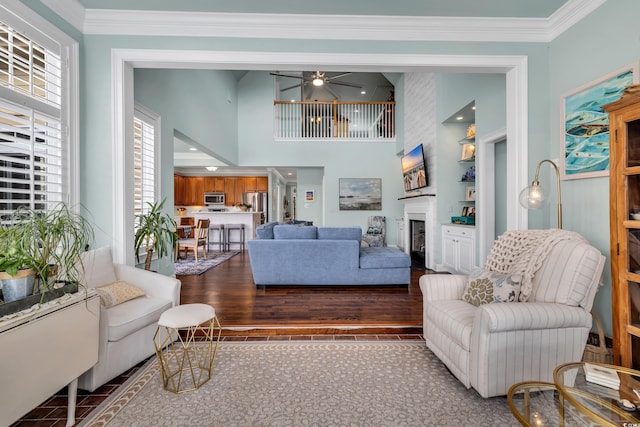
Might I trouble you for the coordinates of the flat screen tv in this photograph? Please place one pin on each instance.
(414, 169)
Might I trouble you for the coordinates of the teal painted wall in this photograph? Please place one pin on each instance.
(578, 57)
(255, 144)
(177, 95)
(256, 147)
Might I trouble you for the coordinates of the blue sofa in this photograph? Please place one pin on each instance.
(310, 255)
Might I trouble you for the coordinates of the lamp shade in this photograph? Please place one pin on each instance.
(533, 197)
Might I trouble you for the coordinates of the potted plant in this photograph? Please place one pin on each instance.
(155, 232)
(16, 272)
(48, 242)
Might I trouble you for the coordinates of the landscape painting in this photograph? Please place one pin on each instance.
(585, 125)
(360, 194)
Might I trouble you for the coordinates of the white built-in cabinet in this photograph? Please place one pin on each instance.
(458, 248)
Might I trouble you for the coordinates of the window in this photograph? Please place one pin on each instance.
(35, 149)
(145, 125)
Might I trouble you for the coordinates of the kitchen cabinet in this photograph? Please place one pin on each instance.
(213, 184)
(250, 183)
(262, 184)
(194, 191)
(179, 190)
(230, 191)
(624, 217)
(189, 190)
(458, 248)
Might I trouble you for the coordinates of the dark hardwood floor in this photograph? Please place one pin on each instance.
(244, 309)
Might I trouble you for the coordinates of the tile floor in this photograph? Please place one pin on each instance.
(53, 412)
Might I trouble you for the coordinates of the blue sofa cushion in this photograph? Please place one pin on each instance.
(383, 257)
(265, 231)
(289, 232)
(340, 233)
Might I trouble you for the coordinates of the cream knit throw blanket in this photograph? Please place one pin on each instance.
(520, 253)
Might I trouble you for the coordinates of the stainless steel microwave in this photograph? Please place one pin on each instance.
(214, 199)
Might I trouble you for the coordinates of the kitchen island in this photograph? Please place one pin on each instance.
(251, 221)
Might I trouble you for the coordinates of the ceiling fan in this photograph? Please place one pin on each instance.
(318, 79)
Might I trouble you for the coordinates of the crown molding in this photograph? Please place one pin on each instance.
(70, 10)
(325, 27)
(569, 14)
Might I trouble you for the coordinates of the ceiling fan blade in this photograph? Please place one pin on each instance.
(291, 87)
(345, 84)
(287, 75)
(338, 76)
(335, 95)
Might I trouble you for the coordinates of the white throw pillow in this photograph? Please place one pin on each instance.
(486, 287)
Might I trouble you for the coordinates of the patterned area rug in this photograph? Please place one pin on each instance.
(303, 383)
(189, 266)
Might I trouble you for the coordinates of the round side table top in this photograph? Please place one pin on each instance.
(603, 405)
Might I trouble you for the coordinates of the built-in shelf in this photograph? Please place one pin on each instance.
(467, 140)
(418, 195)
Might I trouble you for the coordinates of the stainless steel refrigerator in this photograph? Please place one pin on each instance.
(258, 202)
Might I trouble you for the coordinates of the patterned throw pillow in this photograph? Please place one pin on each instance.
(117, 293)
(486, 287)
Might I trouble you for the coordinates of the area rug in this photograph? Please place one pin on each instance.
(308, 383)
(189, 266)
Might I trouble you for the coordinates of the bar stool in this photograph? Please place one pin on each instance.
(221, 236)
(241, 236)
(186, 344)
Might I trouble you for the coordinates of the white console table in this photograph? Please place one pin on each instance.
(45, 350)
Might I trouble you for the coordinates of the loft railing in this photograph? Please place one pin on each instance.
(330, 121)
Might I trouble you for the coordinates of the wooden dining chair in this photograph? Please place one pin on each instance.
(200, 238)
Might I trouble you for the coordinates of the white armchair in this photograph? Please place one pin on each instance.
(492, 346)
(126, 330)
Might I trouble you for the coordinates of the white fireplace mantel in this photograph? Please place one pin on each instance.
(421, 208)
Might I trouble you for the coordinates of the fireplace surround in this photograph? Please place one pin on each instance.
(421, 209)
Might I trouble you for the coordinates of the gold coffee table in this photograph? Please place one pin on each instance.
(572, 401)
(597, 402)
(536, 404)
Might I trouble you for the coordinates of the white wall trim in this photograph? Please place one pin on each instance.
(485, 182)
(517, 142)
(307, 26)
(125, 60)
(122, 140)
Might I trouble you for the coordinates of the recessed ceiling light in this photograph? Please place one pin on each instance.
(459, 118)
(193, 149)
(211, 168)
(364, 92)
(473, 108)
(289, 173)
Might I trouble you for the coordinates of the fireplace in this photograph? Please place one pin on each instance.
(417, 243)
(420, 230)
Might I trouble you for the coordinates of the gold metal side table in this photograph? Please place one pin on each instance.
(186, 344)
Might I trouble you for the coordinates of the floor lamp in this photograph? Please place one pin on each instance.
(535, 197)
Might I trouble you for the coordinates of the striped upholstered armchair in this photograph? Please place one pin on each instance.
(526, 312)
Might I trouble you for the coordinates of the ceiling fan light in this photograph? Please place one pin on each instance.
(318, 81)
